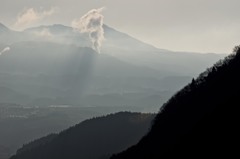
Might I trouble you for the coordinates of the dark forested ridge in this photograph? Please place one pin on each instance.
(201, 120)
(92, 139)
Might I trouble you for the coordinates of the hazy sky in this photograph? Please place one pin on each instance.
(181, 25)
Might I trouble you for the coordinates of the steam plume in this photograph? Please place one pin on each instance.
(29, 16)
(92, 23)
(6, 49)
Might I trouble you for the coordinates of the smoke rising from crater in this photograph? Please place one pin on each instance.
(92, 23)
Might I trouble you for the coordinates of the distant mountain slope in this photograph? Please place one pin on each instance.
(8, 36)
(55, 65)
(132, 50)
(170, 63)
(199, 121)
(63, 70)
(117, 39)
(92, 139)
(121, 46)
(53, 62)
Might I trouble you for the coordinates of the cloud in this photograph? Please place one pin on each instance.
(6, 49)
(30, 16)
(92, 23)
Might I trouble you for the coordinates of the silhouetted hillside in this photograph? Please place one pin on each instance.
(201, 120)
(95, 138)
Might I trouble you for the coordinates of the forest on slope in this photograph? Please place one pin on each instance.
(91, 139)
(201, 120)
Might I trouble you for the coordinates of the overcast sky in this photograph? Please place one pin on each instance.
(180, 25)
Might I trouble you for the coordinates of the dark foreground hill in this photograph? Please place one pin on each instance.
(92, 139)
(202, 120)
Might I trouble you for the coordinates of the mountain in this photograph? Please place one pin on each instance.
(130, 50)
(123, 47)
(94, 138)
(55, 63)
(169, 63)
(199, 121)
(113, 37)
